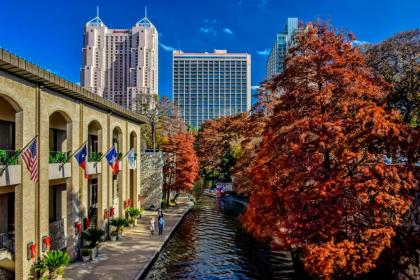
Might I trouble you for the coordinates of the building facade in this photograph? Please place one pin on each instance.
(121, 64)
(63, 115)
(284, 40)
(210, 85)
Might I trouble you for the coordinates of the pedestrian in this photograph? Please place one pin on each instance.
(152, 225)
(160, 214)
(161, 223)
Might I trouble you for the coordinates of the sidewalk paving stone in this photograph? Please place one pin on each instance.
(129, 257)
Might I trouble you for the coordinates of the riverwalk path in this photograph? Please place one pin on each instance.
(129, 257)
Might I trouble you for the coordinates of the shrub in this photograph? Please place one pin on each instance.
(133, 213)
(52, 263)
(9, 158)
(95, 157)
(93, 236)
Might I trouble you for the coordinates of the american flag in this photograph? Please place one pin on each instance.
(30, 157)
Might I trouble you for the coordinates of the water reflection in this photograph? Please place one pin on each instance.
(210, 244)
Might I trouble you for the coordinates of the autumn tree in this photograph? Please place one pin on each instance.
(218, 145)
(181, 163)
(397, 60)
(163, 120)
(320, 183)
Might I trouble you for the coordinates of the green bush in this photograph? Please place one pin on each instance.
(93, 236)
(119, 223)
(133, 213)
(9, 158)
(95, 157)
(52, 264)
(59, 157)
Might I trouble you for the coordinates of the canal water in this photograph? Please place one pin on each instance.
(210, 244)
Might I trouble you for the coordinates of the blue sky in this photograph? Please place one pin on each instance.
(49, 33)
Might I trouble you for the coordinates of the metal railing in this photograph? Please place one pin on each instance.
(3, 237)
(6, 242)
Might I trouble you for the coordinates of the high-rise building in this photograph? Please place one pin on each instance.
(210, 85)
(121, 64)
(285, 39)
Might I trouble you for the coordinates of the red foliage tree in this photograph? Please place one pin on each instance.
(181, 164)
(218, 139)
(320, 182)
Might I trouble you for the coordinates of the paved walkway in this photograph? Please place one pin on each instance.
(129, 257)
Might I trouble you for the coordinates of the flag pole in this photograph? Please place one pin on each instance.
(100, 159)
(18, 155)
(78, 149)
(125, 154)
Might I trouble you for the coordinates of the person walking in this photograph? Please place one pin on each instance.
(152, 225)
(161, 224)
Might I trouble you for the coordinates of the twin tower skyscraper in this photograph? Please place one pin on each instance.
(121, 65)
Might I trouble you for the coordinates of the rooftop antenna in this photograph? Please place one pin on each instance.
(145, 11)
(97, 11)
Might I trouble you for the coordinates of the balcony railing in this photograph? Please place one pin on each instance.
(7, 242)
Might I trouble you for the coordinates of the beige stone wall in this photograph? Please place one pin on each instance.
(31, 203)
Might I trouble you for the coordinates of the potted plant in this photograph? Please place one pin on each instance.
(113, 235)
(119, 223)
(93, 236)
(133, 213)
(95, 157)
(52, 264)
(86, 253)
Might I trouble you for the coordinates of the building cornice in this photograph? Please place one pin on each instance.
(20, 67)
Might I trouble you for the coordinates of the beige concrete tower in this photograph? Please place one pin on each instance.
(122, 64)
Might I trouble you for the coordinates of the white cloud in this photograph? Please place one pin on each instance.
(167, 48)
(228, 31)
(210, 27)
(358, 43)
(211, 20)
(254, 88)
(208, 30)
(264, 52)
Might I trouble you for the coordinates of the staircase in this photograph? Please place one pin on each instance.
(93, 217)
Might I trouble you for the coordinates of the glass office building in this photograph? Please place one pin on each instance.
(284, 40)
(210, 85)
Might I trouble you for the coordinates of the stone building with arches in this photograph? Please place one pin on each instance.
(63, 115)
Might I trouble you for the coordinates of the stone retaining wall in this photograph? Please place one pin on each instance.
(151, 179)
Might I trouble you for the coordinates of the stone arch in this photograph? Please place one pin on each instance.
(11, 123)
(60, 132)
(117, 137)
(94, 132)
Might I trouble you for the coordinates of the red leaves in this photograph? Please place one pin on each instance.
(319, 182)
(181, 166)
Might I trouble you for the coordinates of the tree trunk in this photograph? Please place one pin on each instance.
(167, 196)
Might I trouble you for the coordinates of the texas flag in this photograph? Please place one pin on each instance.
(112, 158)
(81, 158)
